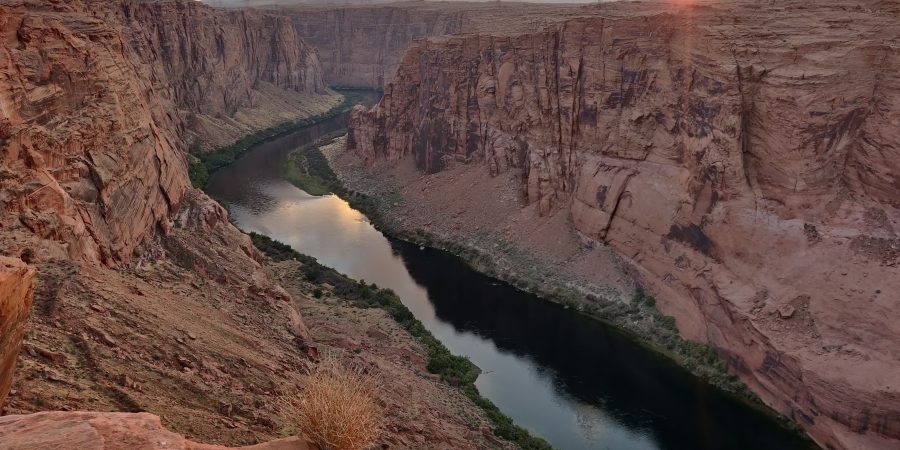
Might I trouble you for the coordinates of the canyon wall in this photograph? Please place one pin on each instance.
(16, 292)
(360, 46)
(99, 99)
(229, 73)
(147, 298)
(744, 160)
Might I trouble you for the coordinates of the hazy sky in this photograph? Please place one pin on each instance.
(344, 2)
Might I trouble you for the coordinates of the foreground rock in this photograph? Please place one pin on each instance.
(107, 431)
(743, 161)
(16, 292)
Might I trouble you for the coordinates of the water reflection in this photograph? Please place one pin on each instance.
(569, 379)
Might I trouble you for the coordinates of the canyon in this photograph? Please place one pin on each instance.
(742, 163)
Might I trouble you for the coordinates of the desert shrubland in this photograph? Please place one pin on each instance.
(336, 409)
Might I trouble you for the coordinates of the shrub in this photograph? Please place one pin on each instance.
(312, 272)
(336, 408)
(317, 292)
(211, 161)
(198, 173)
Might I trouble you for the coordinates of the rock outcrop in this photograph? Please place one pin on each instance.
(16, 291)
(109, 431)
(99, 99)
(743, 159)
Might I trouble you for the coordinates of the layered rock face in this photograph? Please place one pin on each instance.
(360, 46)
(744, 160)
(214, 59)
(219, 64)
(97, 101)
(16, 292)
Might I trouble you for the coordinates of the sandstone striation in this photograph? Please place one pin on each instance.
(100, 100)
(227, 72)
(16, 291)
(743, 160)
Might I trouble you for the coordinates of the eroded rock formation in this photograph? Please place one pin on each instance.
(96, 102)
(16, 292)
(99, 99)
(745, 161)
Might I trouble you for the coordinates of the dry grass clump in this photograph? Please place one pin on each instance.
(336, 409)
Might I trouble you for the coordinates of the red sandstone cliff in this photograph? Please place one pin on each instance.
(97, 99)
(95, 102)
(743, 159)
(16, 291)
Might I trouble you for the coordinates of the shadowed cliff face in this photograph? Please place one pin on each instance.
(214, 59)
(745, 161)
(95, 99)
(361, 45)
(16, 291)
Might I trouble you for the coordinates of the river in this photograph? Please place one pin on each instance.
(574, 381)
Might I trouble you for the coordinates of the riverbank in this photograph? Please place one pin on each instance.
(200, 331)
(638, 317)
(308, 169)
(204, 163)
(342, 238)
(384, 194)
(454, 370)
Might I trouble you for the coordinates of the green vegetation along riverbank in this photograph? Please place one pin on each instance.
(453, 369)
(205, 163)
(308, 169)
(639, 318)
